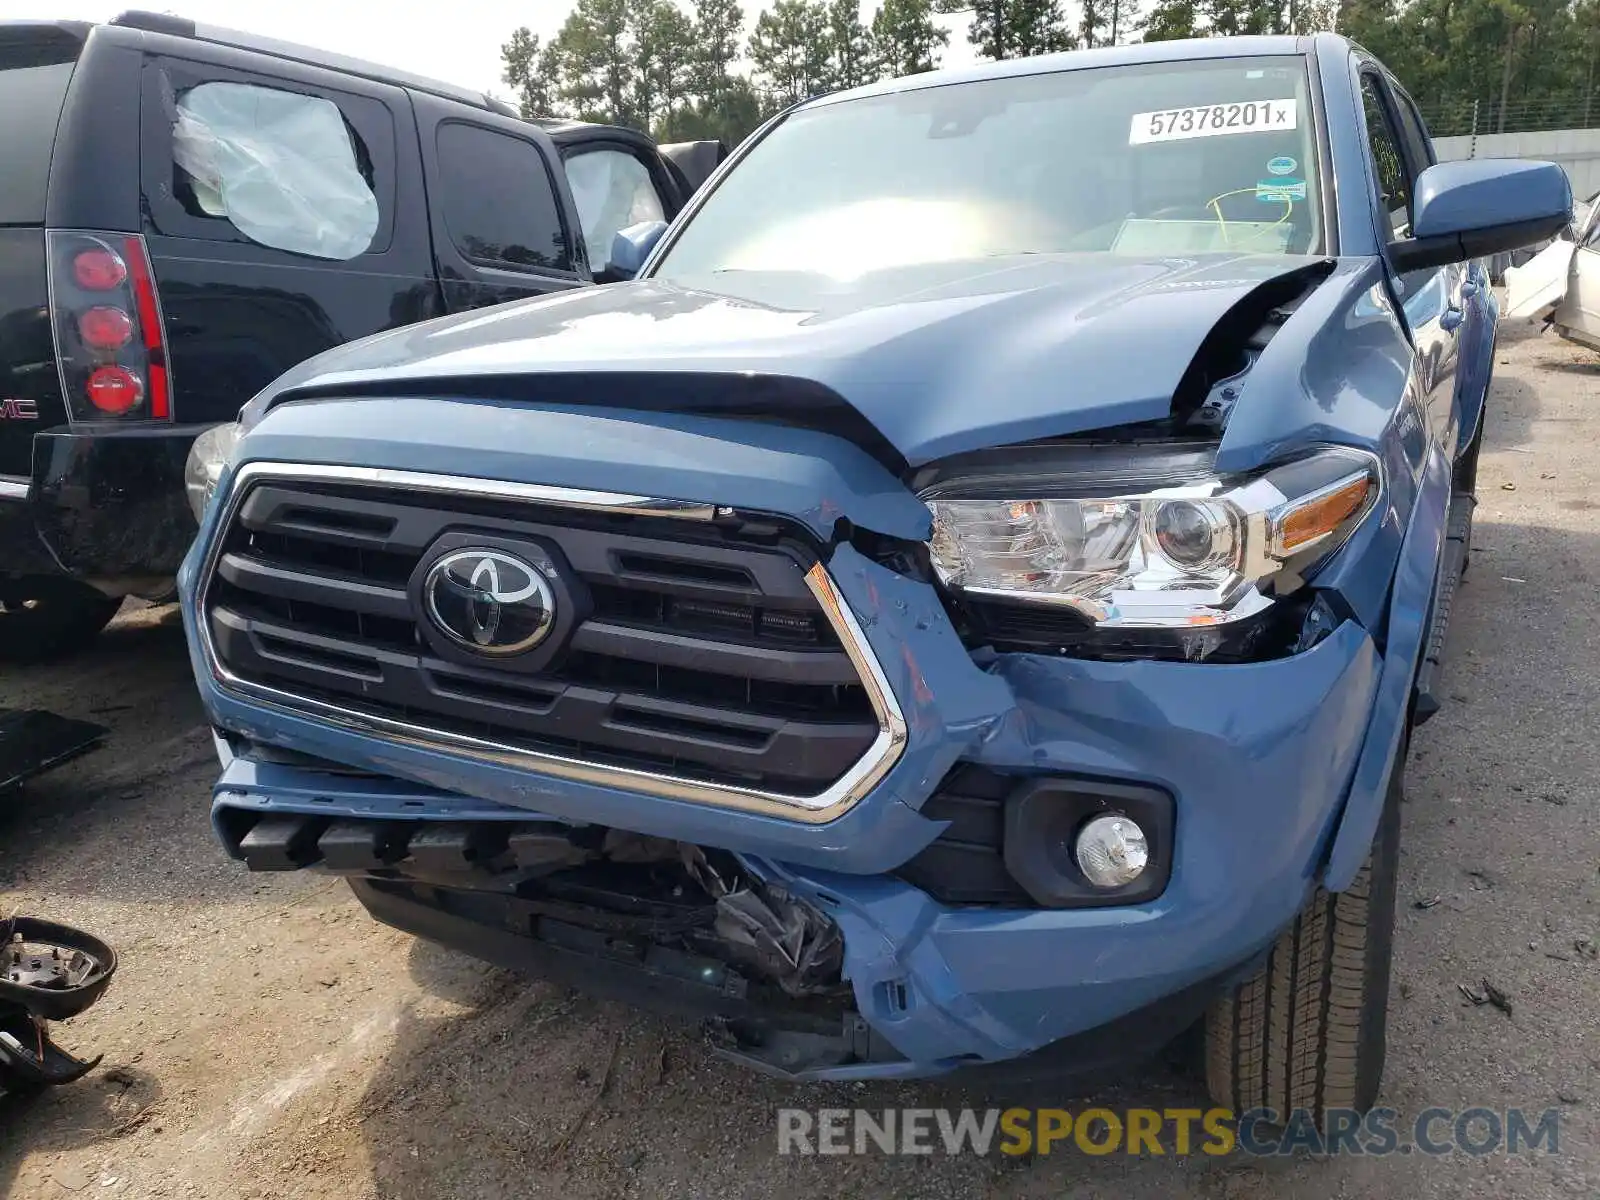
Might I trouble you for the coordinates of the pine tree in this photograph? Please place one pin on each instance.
(1172, 19)
(1124, 20)
(904, 37)
(1092, 22)
(718, 31)
(850, 50)
(1014, 28)
(594, 61)
(531, 72)
(663, 52)
(789, 51)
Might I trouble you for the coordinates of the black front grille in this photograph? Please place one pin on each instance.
(700, 653)
(965, 864)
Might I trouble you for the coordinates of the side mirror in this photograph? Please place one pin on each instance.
(631, 246)
(1482, 206)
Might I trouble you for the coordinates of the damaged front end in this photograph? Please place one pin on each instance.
(666, 925)
(851, 698)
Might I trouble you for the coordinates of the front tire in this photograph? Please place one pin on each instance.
(42, 619)
(1307, 1031)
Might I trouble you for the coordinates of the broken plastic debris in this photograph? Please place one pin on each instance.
(1489, 994)
(1496, 997)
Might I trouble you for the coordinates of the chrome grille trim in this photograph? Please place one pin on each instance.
(817, 808)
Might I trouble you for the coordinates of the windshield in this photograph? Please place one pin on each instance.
(1147, 159)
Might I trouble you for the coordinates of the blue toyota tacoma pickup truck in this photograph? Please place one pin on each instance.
(963, 600)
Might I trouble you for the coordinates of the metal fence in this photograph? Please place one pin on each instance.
(1457, 117)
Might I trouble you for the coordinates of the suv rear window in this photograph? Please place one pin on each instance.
(499, 201)
(35, 69)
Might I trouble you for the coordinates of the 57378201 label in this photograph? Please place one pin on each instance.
(1212, 120)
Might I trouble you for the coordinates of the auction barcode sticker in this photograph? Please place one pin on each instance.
(1212, 120)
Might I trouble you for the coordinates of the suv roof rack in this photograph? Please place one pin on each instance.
(182, 27)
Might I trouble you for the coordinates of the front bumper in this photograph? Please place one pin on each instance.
(106, 505)
(1258, 758)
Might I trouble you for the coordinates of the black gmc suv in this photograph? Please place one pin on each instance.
(186, 212)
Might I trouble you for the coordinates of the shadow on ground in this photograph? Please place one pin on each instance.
(581, 1098)
(110, 1104)
(143, 795)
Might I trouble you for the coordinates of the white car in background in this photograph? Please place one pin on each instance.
(1562, 281)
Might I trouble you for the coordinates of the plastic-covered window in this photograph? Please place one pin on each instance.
(613, 190)
(285, 169)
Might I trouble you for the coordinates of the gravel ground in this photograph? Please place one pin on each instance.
(264, 1038)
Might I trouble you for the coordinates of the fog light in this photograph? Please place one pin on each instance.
(1112, 851)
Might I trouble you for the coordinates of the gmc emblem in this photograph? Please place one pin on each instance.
(19, 410)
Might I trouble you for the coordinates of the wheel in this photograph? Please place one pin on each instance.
(46, 618)
(1307, 1030)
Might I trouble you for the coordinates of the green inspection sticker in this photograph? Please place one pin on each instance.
(1280, 191)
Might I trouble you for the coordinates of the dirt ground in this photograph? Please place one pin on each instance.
(264, 1039)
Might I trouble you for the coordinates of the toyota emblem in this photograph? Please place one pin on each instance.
(488, 601)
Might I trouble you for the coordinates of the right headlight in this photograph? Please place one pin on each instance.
(203, 468)
(1140, 538)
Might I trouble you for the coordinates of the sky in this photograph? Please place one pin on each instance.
(463, 49)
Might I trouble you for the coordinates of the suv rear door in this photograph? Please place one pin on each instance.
(37, 61)
(503, 220)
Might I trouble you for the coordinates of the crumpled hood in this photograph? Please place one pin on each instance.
(940, 359)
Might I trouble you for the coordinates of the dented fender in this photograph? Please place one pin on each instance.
(1258, 758)
(1410, 609)
(1329, 376)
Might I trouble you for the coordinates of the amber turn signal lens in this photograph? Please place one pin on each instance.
(1314, 520)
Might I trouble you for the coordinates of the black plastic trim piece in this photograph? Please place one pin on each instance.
(1043, 818)
(1452, 567)
(1008, 843)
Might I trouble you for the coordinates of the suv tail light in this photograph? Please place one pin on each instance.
(110, 340)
